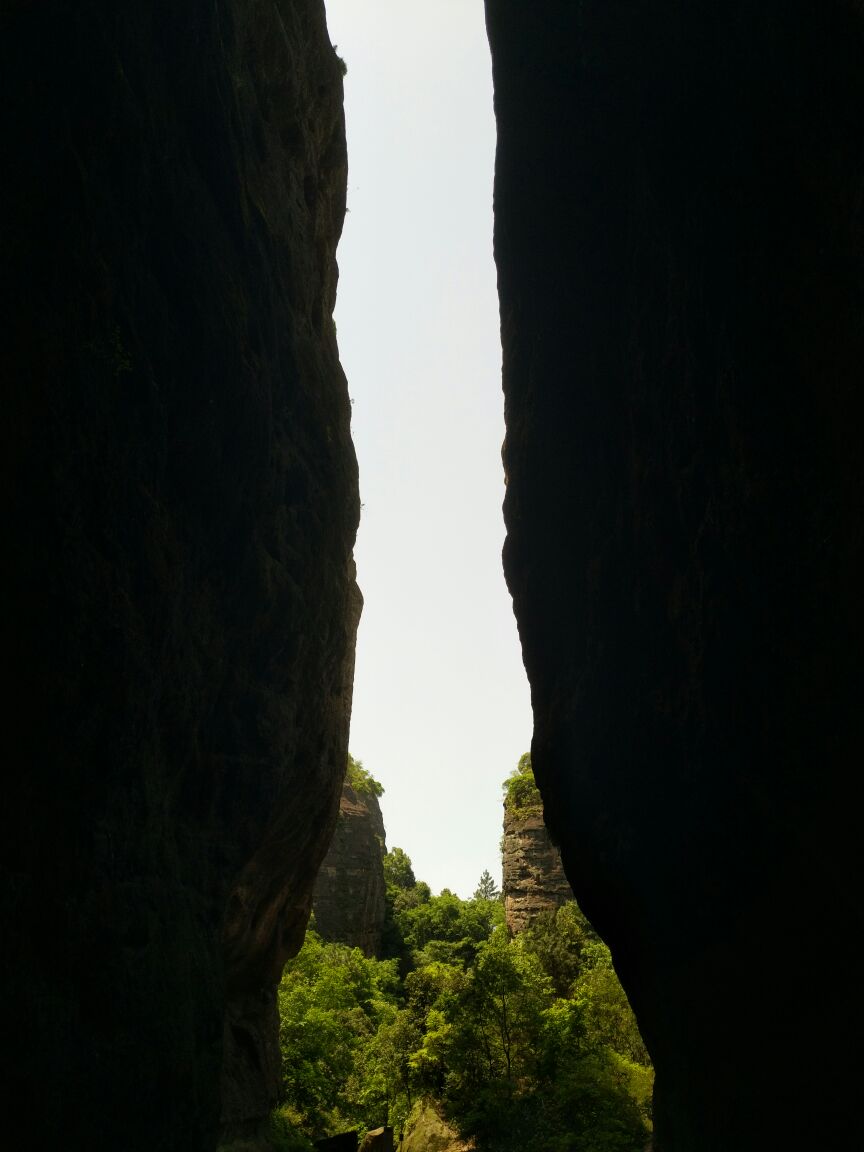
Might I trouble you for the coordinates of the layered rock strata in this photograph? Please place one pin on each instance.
(533, 876)
(180, 603)
(680, 247)
(349, 899)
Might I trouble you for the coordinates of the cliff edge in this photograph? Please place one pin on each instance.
(181, 505)
(679, 236)
(349, 898)
(533, 875)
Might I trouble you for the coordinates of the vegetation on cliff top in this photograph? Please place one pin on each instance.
(360, 780)
(521, 794)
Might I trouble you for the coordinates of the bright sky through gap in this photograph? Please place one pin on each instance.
(441, 703)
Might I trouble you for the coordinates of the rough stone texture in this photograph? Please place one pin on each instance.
(179, 603)
(349, 899)
(428, 1132)
(680, 250)
(264, 926)
(251, 1068)
(533, 875)
(378, 1140)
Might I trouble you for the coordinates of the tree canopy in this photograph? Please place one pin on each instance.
(398, 872)
(525, 1042)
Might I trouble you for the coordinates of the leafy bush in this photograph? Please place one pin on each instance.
(283, 1136)
(360, 780)
(333, 1001)
(398, 872)
(561, 939)
(521, 794)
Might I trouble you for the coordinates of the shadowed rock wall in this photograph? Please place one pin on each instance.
(179, 595)
(680, 250)
(349, 899)
(533, 875)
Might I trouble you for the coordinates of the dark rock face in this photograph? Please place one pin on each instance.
(680, 249)
(533, 876)
(179, 594)
(349, 898)
(343, 1142)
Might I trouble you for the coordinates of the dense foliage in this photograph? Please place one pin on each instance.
(360, 780)
(521, 794)
(525, 1042)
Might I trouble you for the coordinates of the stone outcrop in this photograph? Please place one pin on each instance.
(680, 247)
(349, 898)
(533, 875)
(378, 1140)
(428, 1132)
(179, 597)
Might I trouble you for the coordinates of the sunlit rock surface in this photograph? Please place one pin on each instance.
(428, 1132)
(533, 876)
(349, 897)
(181, 506)
(679, 239)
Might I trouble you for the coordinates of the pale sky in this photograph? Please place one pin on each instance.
(441, 703)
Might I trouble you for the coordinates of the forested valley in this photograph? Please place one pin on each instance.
(512, 1042)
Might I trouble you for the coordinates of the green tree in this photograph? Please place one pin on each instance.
(558, 938)
(402, 893)
(525, 1042)
(447, 929)
(398, 872)
(482, 1037)
(510, 992)
(608, 1016)
(486, 889)
(390, 1082)
(333, 1001)
(514, 1066)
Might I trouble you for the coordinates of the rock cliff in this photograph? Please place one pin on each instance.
(533, 875)
(179, 597)
(680, 247)
(349, 898)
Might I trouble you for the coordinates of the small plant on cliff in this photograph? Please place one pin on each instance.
(360, 780)
(521, 794)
